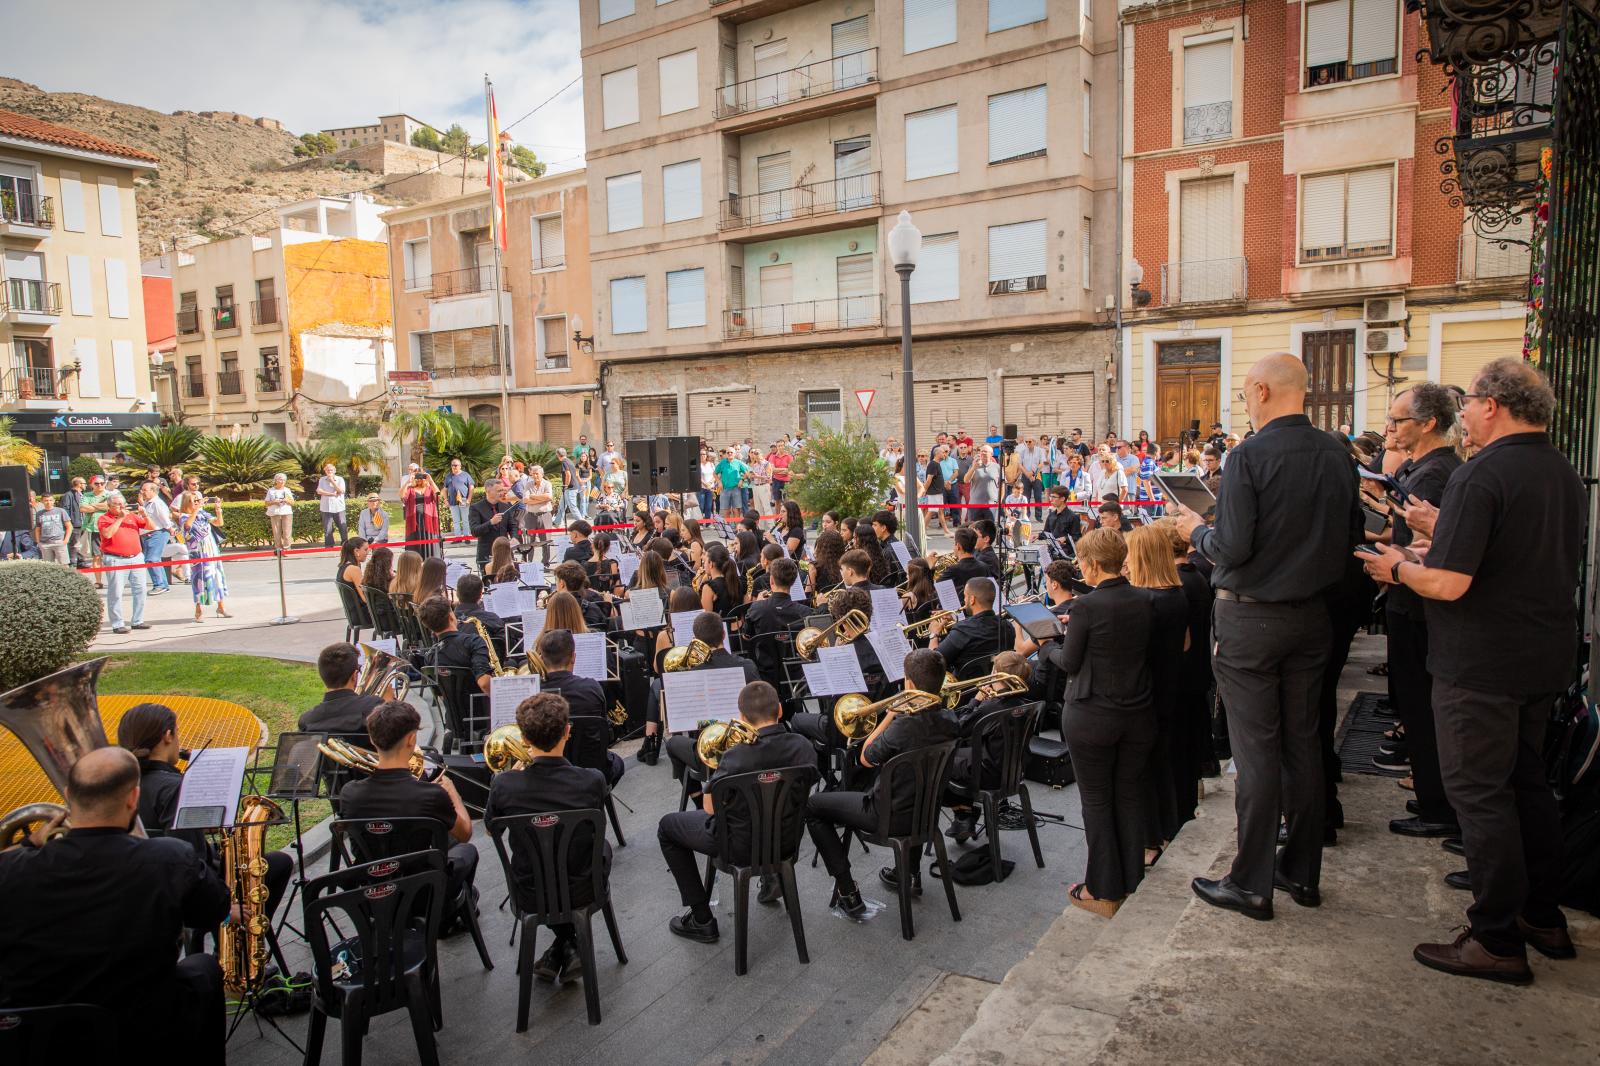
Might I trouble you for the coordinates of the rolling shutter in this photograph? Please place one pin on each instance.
(774, 199)
(680, 82)
(772, 81)
(686, 298)
(624, 202)
(1017, 124)
(1369, 200)
(931, 143)
(946, 405)
(619, 98)
(720, 417)
(777, 292)
(1017, 251)
(645, 417)
(938, 273)
(1004, 14)
(929, 23)
(857, 289)
(1205, 239)
(852, 165)
(552, 242)
(1049, 404)
(852, 65)
(680, 191)
(1207, 73)
(1327, 32)
(850, 37)
(1372, 31)
(1322, 216)
(627, 305)
(735, 287)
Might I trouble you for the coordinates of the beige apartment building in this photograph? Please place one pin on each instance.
(396, 128)
(444, 307)
(747, 159)
(73, 371)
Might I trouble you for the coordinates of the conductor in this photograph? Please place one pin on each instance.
(1286, 521)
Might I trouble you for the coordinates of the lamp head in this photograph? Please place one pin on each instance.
(905, 242)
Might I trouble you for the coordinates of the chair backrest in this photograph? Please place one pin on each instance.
(355, 611)
(539, 853)
(921, 771)
(1015, 725)
(58, 1033)
(365, 840)
(761, 814)
(405, 617)
(983, 664)
(385, 623)
(380, 903)
(335, 775)
(458, 688)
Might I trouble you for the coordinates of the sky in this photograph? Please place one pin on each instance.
(318, 64)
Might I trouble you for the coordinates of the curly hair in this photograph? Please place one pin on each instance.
(1437, 402)
(1519, 387)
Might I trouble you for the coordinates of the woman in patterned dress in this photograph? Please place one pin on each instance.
(209, 583)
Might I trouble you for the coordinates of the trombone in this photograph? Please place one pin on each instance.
(855, 717)
(850, 625)
(952, 691)
(919, 629)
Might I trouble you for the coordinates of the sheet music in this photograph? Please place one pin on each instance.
(683, 628)
(531, 572)
(948, 600)
(502, 600)
(892, 649)
(798, 592)
(887, 611)
(836, 671)
(454, 572)
(643, 609)
(532, 626)
(901, 553)
(210, 789)
(505, 693)
(695, 696)
(527, 600)
(627, 566)
(388, 644)
(591, 655)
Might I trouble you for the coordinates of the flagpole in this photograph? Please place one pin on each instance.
(496, 192)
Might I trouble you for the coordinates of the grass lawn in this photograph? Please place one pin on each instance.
(276, 692)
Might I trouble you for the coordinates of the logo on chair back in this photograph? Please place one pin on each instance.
(383, 891)
(378, 828)
(767, 777)
(383, 869)
(9, 1022)
(545, 821)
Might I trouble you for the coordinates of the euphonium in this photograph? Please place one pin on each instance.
(381, 671)
(715, 740)
(691, 655)
(940, 563)
(847, 628)
(855, 717)
(242, 944)
(425, 765)
(1004, 684)
(505, 749)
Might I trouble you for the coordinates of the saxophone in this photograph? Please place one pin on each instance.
(534, 665)
(242, 944)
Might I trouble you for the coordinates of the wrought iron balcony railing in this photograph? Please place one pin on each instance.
(466, 281)
(228, 383)
(188, 321)
(27, 210)
(22, 295)
(801, 201)
(264, 312)
(225, 317)
(806, 316)
(1204, 281)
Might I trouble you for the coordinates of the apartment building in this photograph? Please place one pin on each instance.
(275, 327)
(396, 128)
(444, 307)
(73, 374)
(747, 159)
(1284, 195)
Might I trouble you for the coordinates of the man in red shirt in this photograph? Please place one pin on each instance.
(780, 459)
(120, 546)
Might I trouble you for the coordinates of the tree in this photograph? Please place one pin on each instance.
(165, 446)
(524, 160)
(427, 137)
(306, 457)
(315, 144)
(456, 140)
(476, 444)
(16, 451)
(239, 466)
(840, 471)
(352, 448)
(410, 429)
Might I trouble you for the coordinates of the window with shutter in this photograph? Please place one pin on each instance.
(857, 290)
(1208, 91)
(611, 10)
(736, 287)
(938, 273)
(774, 197)
(851, 61)
(1017, 124)
(931, 143)
(624, 203)
(1346, 40)
(686, 298)
(619, 98)
(1017, 257)
(771, 86)
(1347, 216)
(1369, 203)
(551, 246)
(1086, 252)
(553, 343)
(649, 416)
(776, 297)
(1207, 268)
(1496, 256)
(680, 191)
(1088, 119)
(1004, 14)
(627, 305)
(854, 186)
(680, 82)
(929, 24)
(418, 264)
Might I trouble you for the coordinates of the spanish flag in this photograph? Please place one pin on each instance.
(497, 173)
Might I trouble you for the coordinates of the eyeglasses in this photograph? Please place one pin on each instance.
(1394, 423)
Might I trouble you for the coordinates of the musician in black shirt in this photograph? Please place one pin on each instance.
(469, 604)
(687, 833)
(855, 567)
(342, 709)
(710, 630)
(596, 609)
(1062, 521)
(492, 517)
(774, 612)
(579, 551)
(976, 635)
(983, 550)
(818, 727)
(960, 789)
(457, 649)
(586, 704)
(93, 917)
(547, 784)
(966, 567)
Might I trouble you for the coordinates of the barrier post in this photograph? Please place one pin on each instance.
(284, 617)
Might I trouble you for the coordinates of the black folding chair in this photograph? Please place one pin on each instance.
(366, 840)
(537, 865)
(356, 617)
(767, 807)
(67, 1032)
(394, 907)
(922, 772)
(978, 667)
(585, 749)
(1015, 726)
(385, 623)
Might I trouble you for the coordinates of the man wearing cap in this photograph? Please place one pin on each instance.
(458, 495)
(373, 524)
(93, 505)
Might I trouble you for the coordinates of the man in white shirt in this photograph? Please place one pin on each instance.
(1032, 458)
(330, 501)
(537, 502)
(606, 456)
(161, 532)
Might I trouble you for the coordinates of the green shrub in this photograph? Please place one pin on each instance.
(366, 484)
(166, 446)
(840, 471)
(246, 525)
(84, 466)
(238, 466)
(52, 613)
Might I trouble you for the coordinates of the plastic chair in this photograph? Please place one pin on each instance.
(62, 1033)
(759, 825)
(394, 907)
(1016, 727)
(460, 694)
(385, 623)
(355, 612)
(547, 844)
(978, 667)
(406, 618)
(923, 772)
(584, 749)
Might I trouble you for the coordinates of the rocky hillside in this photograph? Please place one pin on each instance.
(215, 172)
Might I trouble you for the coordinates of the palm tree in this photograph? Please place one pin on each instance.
(354, 450)
(531, 455)
(239, 466)
(165, 446)
(17, 451)
(476, 444)
(307, 457)
(411, 428)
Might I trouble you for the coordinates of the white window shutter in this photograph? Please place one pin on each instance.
(1372, 30)
(87, 351)
(71, 202)
(619, 98)
(79, 287)
(1004, 14)
(929, 24)
(680, 191)
(552, 242)
(1017, 124)
(680, 82)
(624, 203)
(1370, 200)
(1017, 250)
(1205, 220)
(1322, 215)
(627, 305)
(122, 367)
(686, 298)
(931, 143)
(24, 266)
(735, 287)
(1207, 73)
(611, 10)
(110, 208)
(938, 273)
(851, 36)
(116, 289)
(1327, 32)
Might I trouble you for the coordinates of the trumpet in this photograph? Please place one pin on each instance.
(855, 717)
(506, 749)
(918, 629)
(850, 625)
(687, 657)
(715, 740)
(1005, 685)
(425, 765)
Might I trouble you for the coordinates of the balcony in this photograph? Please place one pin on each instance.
(30, 303)
(194, 386)
(32, 387)
(188, 321)
(805, 317)
(1208, 122)
(269, 381)
(225, 319)
(465, 282)
(228, 383)
(813, 90)
(1203, 281)
(26, 216)
(802, 204)
(264, 315)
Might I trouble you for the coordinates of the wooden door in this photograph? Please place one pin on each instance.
(1184, 395)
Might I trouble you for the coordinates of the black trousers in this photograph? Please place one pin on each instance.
(460, 868)
(1161, 799)
(682, 836)
(681, 751)
(1411, 690)
(201, 1019)
(1268, 664)
(1345, 617)
(825, 813)
(1110, 754)
(1489, 753)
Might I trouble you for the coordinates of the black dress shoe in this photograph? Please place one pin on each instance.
(1413, 807)
(771, 890)
(1454, 846)
(1416, 827)
(1458, 879)
(890, 876)
(685, 926)
(1231, 897)
(650, 750)
(1305, 895)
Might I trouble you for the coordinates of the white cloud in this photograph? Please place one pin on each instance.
(315, 64)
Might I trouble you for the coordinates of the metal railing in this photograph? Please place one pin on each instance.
(798, 83)
(225, 317)
(1483, 258)
(466, 281)
(1208, 122)
(228, 383)
(550, 262)
(27, 210)
(194, 385)
(802, 201)
(33, 297)
(1204, 281)
(806, 316)
(30, 383)
(269, 381)
(188, 320)
(264, 312)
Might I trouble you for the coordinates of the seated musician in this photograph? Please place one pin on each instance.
(602, 570)
(551, 783)
(708, 629)
(976, 635)
(586, 703)
(1058, 593)
(685, 834)
(886, 526)
(94, 916)
(894, 735)
(855, 566)
(342, 710)
(920, 598)
(1062, 521)
(1111, 517)
(966, 566)
(775, 612)
(681, 599)
(571, 577)
(457, 648)
(964, 819)
(984, 550)
(469, 604)
(759, 581)
(579, 551)
(818, 726)
(393, 791)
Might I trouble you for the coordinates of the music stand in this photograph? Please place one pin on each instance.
(296, 776)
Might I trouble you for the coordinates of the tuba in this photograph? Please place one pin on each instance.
(715, 740)
(691, 655)
(850, 625)
(242, 944)
(382, 674)
(426, 764)
(855, 717)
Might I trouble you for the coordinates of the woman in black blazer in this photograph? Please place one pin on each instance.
(1152, 569)
(1108, 721)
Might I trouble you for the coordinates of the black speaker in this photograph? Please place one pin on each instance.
(14, 512)
(641, 455)
(1009, 431)
(679, 458)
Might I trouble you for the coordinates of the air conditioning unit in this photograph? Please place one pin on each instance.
(1386, 341)
(1384, 309)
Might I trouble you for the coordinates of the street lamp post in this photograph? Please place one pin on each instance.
(905, 243)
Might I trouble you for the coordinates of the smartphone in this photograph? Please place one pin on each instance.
(1368, 549)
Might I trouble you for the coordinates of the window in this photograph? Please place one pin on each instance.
(1088, 119)
(928, 24)
(1088, 9)
(417, 260)
(736, 287)
(268, 378)
(938, 273)
(228, 383)
(462, 352)
(553, 343)
(821, 408)
(487, 413)
(1347, 216)
(110, 208)
(1086, 251)
(1016, 257)
(194, 383)
(117, 289)
(680, 82)
(223, 315)
(856, 285)
(1330, 361)
(649, 416)
(612, 10)
(1208, 268)
(1016, 124)
(852, 64)
(627, 305)
(549, 243)
(1347, 40)
(18, 199)
(266, 305)
(624, 203)
(1208, 91)
(680, 191)
(1004, 14)
(686, 298)
(188, 313)
(931, 143)
(619, 98)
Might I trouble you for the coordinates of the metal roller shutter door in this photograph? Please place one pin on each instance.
(1050, 404)
(947, 405)
(720, 418)
(1461, 359)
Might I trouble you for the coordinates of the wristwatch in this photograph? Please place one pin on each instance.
(1394, 572)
